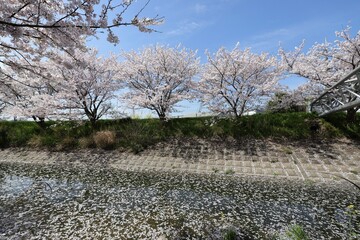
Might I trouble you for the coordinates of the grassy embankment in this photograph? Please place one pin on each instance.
(137, 134)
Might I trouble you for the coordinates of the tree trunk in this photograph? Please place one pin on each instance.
(39, 120)
(351, 115)
(93, 122)
(162, 117)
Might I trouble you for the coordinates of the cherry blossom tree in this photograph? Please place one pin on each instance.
(159, 77)
(33, 30)
(286, 100)
(236, 81)
(325, 63)
(30, 94)
(66, 88)
(87, 85)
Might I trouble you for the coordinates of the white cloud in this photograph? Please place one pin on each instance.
(291, 32)
(186, 27)
(271, 40)
(200, 8)
(277, 33)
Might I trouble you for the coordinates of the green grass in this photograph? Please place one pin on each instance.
(338, 121)
(138, 134)
(296, 232)
(229, 171)
(230, 234)
(17, 134)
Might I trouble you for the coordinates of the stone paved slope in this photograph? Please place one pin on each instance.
(315, 160)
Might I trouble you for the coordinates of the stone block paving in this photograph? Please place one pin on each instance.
(316, 160)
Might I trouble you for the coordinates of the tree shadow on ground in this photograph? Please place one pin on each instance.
(193, 150)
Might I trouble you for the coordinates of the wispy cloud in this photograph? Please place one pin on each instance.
(269, 41)
(200, 8)
(277, 33)
(185, 28)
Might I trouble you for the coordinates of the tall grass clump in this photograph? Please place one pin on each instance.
(105, 139)
(296, 232)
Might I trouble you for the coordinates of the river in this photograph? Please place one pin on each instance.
(92, 202)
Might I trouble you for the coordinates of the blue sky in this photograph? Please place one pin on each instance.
(260, 24)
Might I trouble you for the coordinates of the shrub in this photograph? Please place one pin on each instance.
(328, 131)
(4, 142)
(189, 127)
(105, 139)
(17, 134)
(339, 121)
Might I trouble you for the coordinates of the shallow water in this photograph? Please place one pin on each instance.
(73, 202)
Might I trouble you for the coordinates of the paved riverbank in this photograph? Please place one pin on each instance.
(315, 160)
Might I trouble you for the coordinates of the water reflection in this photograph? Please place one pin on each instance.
(13, 186)
(63, 202)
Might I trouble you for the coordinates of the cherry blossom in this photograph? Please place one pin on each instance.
(325, 63)
(159, 77)
(68, 88)
(236, 81)
(34, 30)
(87, 85)
(33, 26)
(30, 94)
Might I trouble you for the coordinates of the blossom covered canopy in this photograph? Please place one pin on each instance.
(159, 77)
(323, 64)
(34, 31)
(233, 82)
(87, 85)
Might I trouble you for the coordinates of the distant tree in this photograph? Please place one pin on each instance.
(325, 63)
(87, 85)
(236, 81)
(159, 77)
(286, 101)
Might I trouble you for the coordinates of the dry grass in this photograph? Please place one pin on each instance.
(105, 139)
(86, 142)
(67, 143)
(35, 142)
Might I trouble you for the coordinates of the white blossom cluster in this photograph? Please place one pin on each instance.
(234, 82)
(47, 71)
(159, 77)
(35, 31)
(323, 64)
